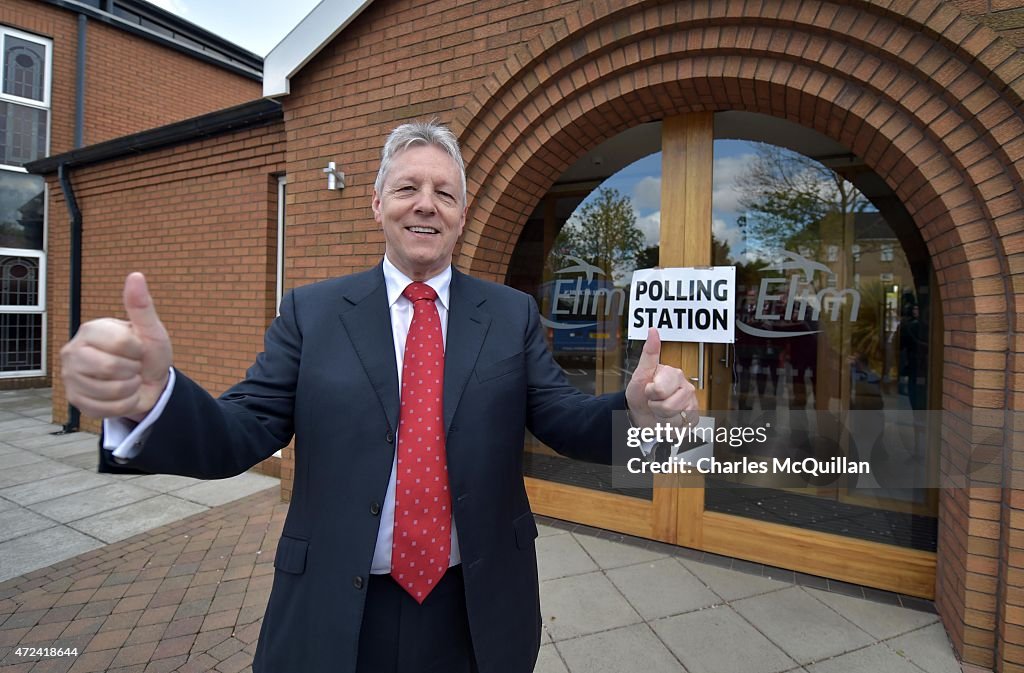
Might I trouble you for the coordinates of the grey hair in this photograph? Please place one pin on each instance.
(420, 133)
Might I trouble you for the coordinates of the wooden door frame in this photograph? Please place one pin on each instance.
(676, 513)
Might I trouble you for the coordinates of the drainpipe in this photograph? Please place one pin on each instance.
(63, 174)
(75, 299)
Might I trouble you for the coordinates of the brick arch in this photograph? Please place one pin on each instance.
(523, 111)
(928, 99)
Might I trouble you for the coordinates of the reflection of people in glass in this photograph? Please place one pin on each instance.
(913, 355)
(757, 357)
(802, 353)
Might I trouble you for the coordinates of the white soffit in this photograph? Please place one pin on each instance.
(305, 41)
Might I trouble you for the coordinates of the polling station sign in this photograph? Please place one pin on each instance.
(685, 304)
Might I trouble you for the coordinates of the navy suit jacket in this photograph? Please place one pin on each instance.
(328, 375)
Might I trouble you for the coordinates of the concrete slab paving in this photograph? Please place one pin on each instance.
(562, 556)
(732, 584)
(609, 553)
(86, 460)
(42, 548)
(583, 604)
(719, 640)
(15, 458)
(46, 439)
(44, 468)
(54, 487)
(548, 661)
(928, 648)
(164, 483)
(801, 626)
(874, 659)
(221, 491)
(546, 531)
(93, 501)
(123, 522)
(59, 450)
(631, 648)
(662, 588)
(17, 521)
(880, 620)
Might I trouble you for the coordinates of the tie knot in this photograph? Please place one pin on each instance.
(417, 291)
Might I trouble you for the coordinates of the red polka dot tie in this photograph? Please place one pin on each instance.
(422, 534)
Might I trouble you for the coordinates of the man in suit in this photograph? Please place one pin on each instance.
(408, 388)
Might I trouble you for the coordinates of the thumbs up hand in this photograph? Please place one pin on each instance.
(115, 368)
(659, 393)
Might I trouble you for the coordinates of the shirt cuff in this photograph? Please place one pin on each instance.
(645, 447)
(124, 437)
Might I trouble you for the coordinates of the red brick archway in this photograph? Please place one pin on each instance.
(927, 98)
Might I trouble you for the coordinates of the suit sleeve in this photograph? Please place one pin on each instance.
(200, 436)
(568, 420)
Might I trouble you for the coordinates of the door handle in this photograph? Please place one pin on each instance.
(699, 378)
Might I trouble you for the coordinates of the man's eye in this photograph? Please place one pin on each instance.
(446, 195)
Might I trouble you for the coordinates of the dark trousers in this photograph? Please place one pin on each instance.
(399, 635)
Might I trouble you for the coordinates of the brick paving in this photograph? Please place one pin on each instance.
(188, 596)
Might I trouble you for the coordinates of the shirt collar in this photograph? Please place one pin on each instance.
(396, 282)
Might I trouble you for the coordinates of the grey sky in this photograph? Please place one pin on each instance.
(256, 25)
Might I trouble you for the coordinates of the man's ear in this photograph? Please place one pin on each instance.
(375, 205)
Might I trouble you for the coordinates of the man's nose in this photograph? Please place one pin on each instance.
(425, 202)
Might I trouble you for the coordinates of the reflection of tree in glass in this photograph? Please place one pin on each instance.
(602, 232)
(868, 337)
(789, 197)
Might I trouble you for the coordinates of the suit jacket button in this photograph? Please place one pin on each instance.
(375, 508)
(357, 582)
(390, 437)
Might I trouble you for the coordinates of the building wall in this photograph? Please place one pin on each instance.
(200, 220)
(132, 84)
(928, 95)
(1003, 16)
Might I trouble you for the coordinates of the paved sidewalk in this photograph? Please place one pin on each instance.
(54, 505)
(189, 595)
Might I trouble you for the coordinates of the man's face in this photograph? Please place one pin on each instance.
(421, 211)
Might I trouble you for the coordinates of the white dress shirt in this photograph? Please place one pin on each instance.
(124, 438)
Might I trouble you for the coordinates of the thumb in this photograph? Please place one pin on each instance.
(139, 306)
(650, 357)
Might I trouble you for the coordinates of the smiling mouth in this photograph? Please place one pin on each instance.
(423, 230)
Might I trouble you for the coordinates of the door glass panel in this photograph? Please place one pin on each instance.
(576, 255)
(834, 315)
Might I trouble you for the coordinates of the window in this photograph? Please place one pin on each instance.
(22, 320)
(24, 97)
(25, 62)
(886, 253)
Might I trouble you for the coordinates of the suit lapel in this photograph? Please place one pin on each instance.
(467, 326)
(368, 322)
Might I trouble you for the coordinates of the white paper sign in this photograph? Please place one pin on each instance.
(685, 304)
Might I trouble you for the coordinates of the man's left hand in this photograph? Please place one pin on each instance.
(659, 393)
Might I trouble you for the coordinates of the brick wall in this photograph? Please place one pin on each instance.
(132, 84)
(1003, 16)
(200, 220)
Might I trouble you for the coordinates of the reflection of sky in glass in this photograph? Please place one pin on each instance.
(641, 182)
(16, 191)
(732, 157)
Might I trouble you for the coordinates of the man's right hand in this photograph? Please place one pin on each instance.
(119, 368)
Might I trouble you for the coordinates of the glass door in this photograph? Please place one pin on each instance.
(834, 316)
